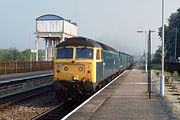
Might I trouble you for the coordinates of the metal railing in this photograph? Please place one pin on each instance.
(9, 67)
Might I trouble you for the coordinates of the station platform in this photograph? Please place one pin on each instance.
(12, 84)
(20, 76)
(125, 99)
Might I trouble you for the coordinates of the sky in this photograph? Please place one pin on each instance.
(113, 22)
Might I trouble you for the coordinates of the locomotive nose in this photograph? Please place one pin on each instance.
(75, 72)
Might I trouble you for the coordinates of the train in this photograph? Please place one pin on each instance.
(83, 65)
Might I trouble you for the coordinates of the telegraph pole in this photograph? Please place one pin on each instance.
(149, 63)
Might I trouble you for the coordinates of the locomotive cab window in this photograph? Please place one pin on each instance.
(98, 57)
(84, 53)
(64, 53)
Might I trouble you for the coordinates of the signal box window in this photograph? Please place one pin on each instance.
(64, 53)
(98, 54)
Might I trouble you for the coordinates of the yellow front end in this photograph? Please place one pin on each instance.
(75, 69)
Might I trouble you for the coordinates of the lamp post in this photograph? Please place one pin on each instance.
(148, 59)
(145, 48)
(149, 63)
(162, 71)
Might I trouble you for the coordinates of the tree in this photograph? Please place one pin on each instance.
(25, 55)
(170, 35)
(41, 55)
(13, 54)
(157, 56)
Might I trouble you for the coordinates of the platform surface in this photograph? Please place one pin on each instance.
(124, 99)
(20, 76)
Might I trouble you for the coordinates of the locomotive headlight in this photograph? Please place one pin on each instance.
(75, 77)
(80, 69)
(65, 68)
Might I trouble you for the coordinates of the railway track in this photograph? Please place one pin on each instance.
(39, 108)
(9, 100)
(62, 109)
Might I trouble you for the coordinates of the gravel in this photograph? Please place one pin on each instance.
(30, 108)
(170, 102)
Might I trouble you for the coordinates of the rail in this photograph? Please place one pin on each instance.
(63, 108)
(6, 101)
(9, 67)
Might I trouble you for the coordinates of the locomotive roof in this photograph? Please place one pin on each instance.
(79, 41)
(108, 48)
(82, 41)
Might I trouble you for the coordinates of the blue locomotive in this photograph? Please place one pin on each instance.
(82, 65)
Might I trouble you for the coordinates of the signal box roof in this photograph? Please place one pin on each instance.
(49, 17)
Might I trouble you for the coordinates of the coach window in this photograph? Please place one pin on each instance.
(98, 55)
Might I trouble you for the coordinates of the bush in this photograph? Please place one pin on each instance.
(156, 66)
(175, 74)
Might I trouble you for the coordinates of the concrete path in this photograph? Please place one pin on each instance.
(125, 99)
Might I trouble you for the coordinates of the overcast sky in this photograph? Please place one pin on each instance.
(113, 22)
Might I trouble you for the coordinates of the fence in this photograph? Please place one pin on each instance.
(8, 67)
(172, 66)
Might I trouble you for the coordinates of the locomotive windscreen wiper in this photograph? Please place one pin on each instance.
(82, 49)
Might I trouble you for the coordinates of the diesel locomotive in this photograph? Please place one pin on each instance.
(82, 65)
